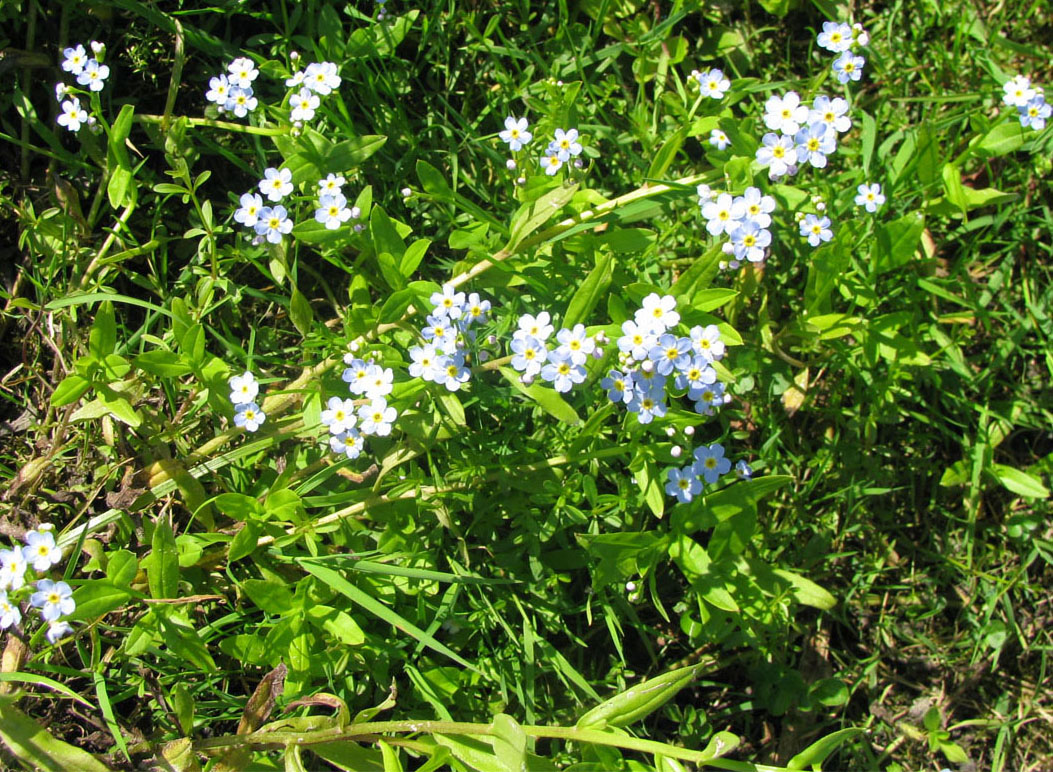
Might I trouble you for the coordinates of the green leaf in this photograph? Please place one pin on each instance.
(712, 299)
(534, 214)
(238, 506)
(245, 541)
(270, 595)
(412, 256)
(337, 623)
(70, 389)
(39, 749)
(588, 295)
(635, 240)
(121, 567)
(698, 275)
(547, 399)
(666, 154)
(48, 683)
(1001, 140)
(385, 237)
(639, 701)
(300, 312)
(162, 571)
(118, 406)
(166, 364)
(1020, 482)
(510, 743)
(97, 597)
(432, 181)
(897, 241)
(103, 337)
(806, 591)
(816, 753)
(370, 604)
(868, 136)
(952, 185)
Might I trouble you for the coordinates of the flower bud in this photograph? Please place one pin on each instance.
(630, 586)
(647, 366)
(520, 181)
(527, 379)
(675, 451)
(689, 431)
(578, 163)
(484, 356)
(356, 212)
(510, 164)
(294, 56)
(406, 192)
(491, 340)
(670, 431)
(359, 227)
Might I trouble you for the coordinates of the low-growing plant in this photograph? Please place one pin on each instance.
(452, 416)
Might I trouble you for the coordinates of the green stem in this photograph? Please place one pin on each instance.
(239, 128)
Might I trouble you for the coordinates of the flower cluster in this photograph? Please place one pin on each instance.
(243, 391)
(332, 211)
(800, 134)
(842, 38)
(561, 149)
(349, 427)
(711, 83)
(744, 219)
(1029, 101)
(91, 73)
(654, 360)
(316, 80)
(564, 365)
(232, 91)
(709, 464)
(54, 599)
(442, 357)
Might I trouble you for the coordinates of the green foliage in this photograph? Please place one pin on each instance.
(505, 576)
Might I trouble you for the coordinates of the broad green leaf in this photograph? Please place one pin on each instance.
(37, 747)
(245, 541)
(1001, 140)
(897, 241)
(510, 743)
(638, 702)
(238, 506)
(547, 398)
(119, 406)
(270, 595)
(698, 276)
(166, 364)
(337, 623)
(627, 239)
(432, 181)
(666, 154)
(121, 567)
(70, 389)
(412, 256)
(103, 337)
(385, 236)
(953, 188)
(806, 591)
(711, 299)
(1020, 482)
(300, 312)
(162, 571)
(868, 136)
(588, 294)
(534, 214)
(97, 597)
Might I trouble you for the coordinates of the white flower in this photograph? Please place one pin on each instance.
(836, 37)
(57, 631)
(218, 90)
(832, 112)
(658, 313)
(551, 163)
(448, 303)
(538, 327)
(785, 113)
(240, 101)
(713, 84)
(1018, 91)
(565, 145)
(333, 183)
(322, 77)
(12, 569)
(61, 91)
(339, 416)
(243, 388)
(332, 210)
(273, 223)
(705, 193)
(295, 80)
(749, 241)
(848, 66)
(350, 443)
(377, 417)
(242, 72)
(75, 59)
(718, 139)
(777, 153)
(816, 229)
(870, 197)
(54, 599)
(379, 381)
(93, 75)
(41, 551)
(10, 614)
(73, 115)
(515, 133)
(756, 207)
(706, 342)
(576, 344)
(722, 214)
(815, 143)
(427, 363)
(249, 213)
(249, 416)
(304, 103)
(276, 184)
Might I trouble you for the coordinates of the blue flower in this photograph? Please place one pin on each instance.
(848, 66)
(684, 484)
(562, 372)
(710, 463)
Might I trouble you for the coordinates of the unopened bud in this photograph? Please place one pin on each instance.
(647, 366)
(359, 227)
(675, 451)
(630, 586)
(491, 340)
(484, 356)
(579, 164)
(689, 431)
(670, 431)
(356, 212)
(406, 192)
(527, 380)
(520, 181)
(294, 56)
(510, 164)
